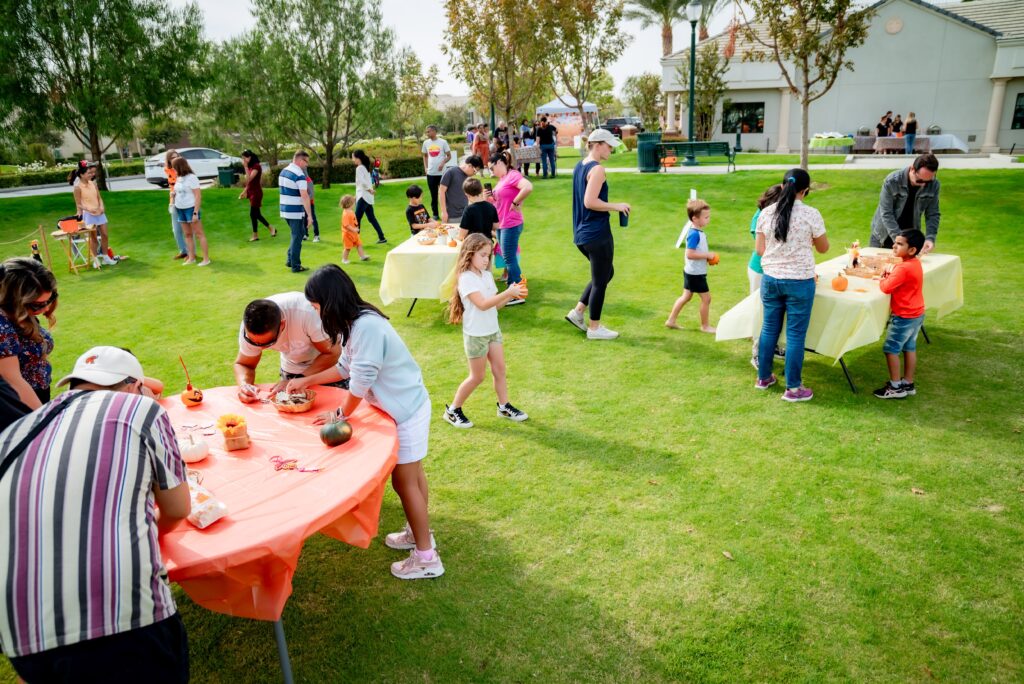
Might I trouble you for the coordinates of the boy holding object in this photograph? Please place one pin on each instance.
(695, 270)
(350, 230)
(903, 282)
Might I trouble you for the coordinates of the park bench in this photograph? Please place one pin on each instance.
(672, 153)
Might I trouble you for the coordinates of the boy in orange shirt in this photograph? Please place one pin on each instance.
(904, 282)
(350, 230)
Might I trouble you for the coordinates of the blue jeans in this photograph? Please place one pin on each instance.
(179, 236)
(792, 299)
(908, 140)
(298, 228)
(547, 155)
(509, 238)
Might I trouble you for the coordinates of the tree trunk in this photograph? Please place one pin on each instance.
(666, 40)
(702, 32)
(97, 156)
(328, 161)
(805, 107)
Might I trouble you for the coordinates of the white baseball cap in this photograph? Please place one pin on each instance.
(601, 135)
(105, 366)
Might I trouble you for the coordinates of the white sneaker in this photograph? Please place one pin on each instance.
(413, 568)
(515, 302)
(404, 540)
(316, 238)
(204, 263)
(601, 333)
(107, 260)
(576, 318)
(344, 261)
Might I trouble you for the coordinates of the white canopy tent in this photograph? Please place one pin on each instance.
(566, 118)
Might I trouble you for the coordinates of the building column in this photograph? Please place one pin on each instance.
(682, 116)
(670, 117)
(995, 114)
(782, 142)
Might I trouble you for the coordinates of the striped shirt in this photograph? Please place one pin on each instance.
(79, 557)
(292, 181)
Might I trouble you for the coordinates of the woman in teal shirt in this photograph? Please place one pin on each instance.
(754, 272)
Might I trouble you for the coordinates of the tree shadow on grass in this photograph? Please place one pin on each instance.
(492, 617)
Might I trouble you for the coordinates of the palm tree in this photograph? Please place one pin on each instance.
(662, 13)
(665, 13)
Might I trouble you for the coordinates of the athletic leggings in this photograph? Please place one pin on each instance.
(600, 255)
(364, 207)
(256, 215)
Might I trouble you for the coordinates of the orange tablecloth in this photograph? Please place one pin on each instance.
(242, 565)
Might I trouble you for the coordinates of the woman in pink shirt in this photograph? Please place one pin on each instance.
(507, 197)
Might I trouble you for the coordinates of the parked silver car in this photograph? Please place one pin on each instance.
(204, 162)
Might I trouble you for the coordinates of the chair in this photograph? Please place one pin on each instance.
(72, 235)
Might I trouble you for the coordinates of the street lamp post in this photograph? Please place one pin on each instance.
(693, 12)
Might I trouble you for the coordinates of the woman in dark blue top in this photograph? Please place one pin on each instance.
(592, 232)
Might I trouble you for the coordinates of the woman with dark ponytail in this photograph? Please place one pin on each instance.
(787, 233)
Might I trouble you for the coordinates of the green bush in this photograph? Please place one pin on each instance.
(39, 152)
(343, 171)
(403, 167)
(629, 141)
(129, 169)
(21, 180)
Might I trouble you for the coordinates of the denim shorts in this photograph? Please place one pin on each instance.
(478, 345)
(902, 334)
(93, 220)
(185, 215)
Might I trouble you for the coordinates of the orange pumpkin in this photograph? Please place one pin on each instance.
(192, 396)
(713, 261)
(840, 283)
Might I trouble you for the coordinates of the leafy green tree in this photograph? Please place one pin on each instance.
(643, 94)
(415, 88)
(454, 118)
(709, 86)
(162, 131)
(602, 94)
(587, 36)
(494, 47)
(325, 51)
(808, 41)
(94, 66)
(241, 97)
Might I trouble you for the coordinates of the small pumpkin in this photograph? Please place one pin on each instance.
(335, 432)
(193, 450)
(840, 283)
(713, 261)
(192, 396)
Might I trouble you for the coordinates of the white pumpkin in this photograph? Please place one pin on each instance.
(192, 449)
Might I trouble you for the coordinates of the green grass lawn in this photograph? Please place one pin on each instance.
(627, 160)
(586, 545)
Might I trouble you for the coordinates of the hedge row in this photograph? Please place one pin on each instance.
(20, 180)
(344, 170)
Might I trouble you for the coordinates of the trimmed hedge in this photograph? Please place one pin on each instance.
(342, 171)
(403, 167)
(21, 180)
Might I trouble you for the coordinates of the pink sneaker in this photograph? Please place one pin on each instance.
(765, 384)
(799, 394)
(404, 540)
(414, 568)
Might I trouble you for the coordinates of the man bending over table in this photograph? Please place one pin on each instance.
(907, 195)
(288, 324)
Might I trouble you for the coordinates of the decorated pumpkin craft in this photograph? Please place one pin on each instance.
(840, 283)
(192, 396)
(335, 432)
(713, 261)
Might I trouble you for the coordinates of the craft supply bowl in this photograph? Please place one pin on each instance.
(424, 240)
(295, 408)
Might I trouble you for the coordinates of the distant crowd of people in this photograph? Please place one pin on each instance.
(894, 126)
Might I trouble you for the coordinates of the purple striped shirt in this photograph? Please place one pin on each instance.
(79, 557)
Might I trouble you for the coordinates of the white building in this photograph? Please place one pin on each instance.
(959, 66)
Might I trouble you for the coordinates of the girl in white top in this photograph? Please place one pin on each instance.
(475, 303)
(366, 193)
(187, 201)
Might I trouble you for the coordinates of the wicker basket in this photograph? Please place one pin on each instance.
(296, 408)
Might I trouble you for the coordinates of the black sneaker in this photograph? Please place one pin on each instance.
(456, 417)
(511, 412)
(890, 391)
(382, 241)
(908, 387)
(515, 302)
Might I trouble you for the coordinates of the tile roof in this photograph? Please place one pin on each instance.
(1004, 16)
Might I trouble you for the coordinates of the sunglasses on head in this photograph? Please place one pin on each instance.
(39, 307)
(245, 336)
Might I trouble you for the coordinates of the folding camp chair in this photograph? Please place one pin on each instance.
(73, 236)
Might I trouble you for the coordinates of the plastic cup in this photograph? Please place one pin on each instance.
(623, 219)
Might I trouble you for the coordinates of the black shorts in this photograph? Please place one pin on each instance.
(155, 654)
(695, 283)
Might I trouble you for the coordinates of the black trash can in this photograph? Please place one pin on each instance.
(226, 176)
(647, 157)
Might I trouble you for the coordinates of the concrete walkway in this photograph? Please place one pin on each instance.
(866, 163)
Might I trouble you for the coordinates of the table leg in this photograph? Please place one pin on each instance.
(846, 371)
(411, 308)
(282, 652)
(925, 333)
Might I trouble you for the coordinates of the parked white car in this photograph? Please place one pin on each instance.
(203, 160)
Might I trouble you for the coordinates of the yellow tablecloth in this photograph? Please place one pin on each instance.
(415, 271)
(842, 321)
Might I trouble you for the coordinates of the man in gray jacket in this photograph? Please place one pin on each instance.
(907, 195)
